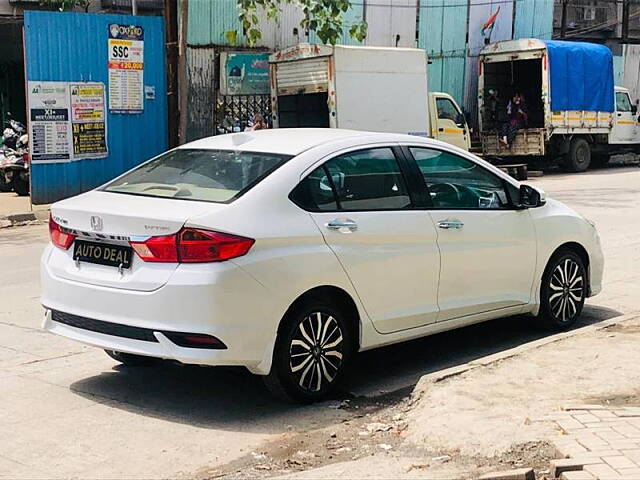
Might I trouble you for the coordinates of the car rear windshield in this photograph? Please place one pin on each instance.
(198, 174)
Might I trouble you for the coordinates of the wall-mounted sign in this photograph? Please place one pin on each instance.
(126, 68)
(149, 92)
(49, 125)
(67, 121)
(88, 121)
(244, 73)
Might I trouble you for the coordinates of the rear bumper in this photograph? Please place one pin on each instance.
(214, 299)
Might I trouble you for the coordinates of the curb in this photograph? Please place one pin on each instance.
(441, 375)
(19, 219)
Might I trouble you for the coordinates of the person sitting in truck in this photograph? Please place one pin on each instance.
(517, 119)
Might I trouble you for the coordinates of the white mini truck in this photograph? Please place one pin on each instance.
(576, 114)
(362, 88)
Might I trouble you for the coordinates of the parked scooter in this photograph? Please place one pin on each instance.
(12, 133)
(14, 168)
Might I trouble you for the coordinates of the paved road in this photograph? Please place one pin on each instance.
(68, 410)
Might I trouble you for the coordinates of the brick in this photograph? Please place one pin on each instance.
(569, 423)
(605, 453)
(634, 454)
(628, 412)
(584, 407)
(586, 418)
(609, 435)
(590, 440)
(577, 475)
(602, 471)
(623, 445)
(619, 462)
(629, 472)
(628, 431)
(556, 467)
(569, 448)
(603, 414)
(518, 474)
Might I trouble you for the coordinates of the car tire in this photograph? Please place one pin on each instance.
(313, 350)
(132, 360)
(563, 290)
(579, 155)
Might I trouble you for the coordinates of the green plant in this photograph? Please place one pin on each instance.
(65, 5)
(325, 17)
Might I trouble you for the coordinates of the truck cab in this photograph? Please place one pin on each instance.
(448, 123)
(625, 129)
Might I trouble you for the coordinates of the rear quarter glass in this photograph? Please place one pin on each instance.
(207, 175)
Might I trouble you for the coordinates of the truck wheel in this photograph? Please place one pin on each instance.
(579, 155)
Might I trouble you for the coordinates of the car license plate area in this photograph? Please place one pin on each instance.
(118, 256)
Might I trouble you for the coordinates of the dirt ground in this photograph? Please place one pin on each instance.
(495, 417)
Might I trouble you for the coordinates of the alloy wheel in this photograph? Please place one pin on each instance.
(566, 290)
(316, 351)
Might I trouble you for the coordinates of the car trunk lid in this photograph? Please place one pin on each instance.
(114, 219)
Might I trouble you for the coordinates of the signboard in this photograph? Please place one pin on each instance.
(88, 123)
(244, 73)
(49, 125)
(67, 121)
(126, 68)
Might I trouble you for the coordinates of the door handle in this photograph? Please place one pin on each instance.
(441, 129)
(337, 224)
(447, 224)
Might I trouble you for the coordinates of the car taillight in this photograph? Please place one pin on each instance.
(191, 245)
(60, 237)
(25, 158)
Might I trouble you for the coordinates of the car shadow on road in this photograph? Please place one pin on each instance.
(233, 399)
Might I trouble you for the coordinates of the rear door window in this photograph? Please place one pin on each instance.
(356, 181)
(198, 174)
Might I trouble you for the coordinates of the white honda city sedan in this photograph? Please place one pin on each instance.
(288, 251)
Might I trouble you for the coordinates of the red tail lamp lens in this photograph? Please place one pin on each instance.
(191, 245)
(157, 249)
(60, 237)
(195, 246)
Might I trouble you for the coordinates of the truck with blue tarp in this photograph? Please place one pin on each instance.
(574, 112)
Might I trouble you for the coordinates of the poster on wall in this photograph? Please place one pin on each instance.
(88, 122)
(244, 73)
(126, 68)
(49, 122)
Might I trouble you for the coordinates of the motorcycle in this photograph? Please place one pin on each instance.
(14, 168)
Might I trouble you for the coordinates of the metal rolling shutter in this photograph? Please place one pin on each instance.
(306, 76)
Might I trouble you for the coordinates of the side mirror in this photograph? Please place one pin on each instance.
(531, 197)
(634, 109)
(460, 120)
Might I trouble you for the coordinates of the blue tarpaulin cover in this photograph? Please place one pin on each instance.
(581, 76)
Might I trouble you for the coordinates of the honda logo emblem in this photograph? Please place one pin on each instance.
(96, 223)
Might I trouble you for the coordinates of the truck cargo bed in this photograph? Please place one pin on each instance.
(529, 141)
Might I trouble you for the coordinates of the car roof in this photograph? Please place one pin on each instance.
(290, 141)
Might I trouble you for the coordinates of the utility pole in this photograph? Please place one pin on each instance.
(625, 21)
(563, 20)
(182, 71)
(171, 51)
